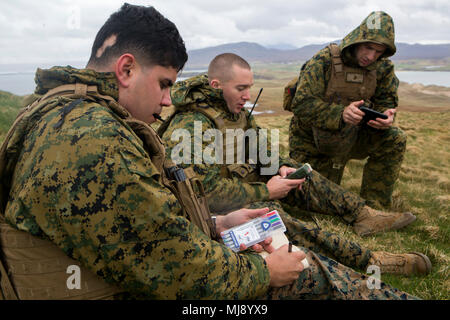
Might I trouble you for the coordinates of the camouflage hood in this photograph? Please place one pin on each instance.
(197, 91)
(47, 79)
(378, 27)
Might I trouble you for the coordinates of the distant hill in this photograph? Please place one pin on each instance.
(421, 51)
(254, 52)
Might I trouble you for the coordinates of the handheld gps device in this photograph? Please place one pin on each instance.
(302, 172)
(370, 114)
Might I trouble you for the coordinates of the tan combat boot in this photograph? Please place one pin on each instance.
(370, 221)
(404, 264)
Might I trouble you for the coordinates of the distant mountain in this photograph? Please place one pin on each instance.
(254, 52)
(407, 51)
(250, 51)
(281, 46)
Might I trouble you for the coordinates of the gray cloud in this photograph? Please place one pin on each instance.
(46, 31)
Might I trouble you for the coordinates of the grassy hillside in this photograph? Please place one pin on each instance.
(9, 107)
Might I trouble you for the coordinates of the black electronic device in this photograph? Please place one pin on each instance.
(370, 114)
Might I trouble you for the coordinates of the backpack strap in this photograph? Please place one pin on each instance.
(289, 93)
(210, 113)
(336, 57)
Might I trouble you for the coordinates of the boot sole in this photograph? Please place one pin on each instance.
(427, 262)
(393, 227)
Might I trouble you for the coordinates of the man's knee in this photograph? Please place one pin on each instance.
(397, 144)
(393, 142)
(399, 136)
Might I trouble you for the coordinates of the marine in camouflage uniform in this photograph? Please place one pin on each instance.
(231, 186)
(86, 181)
(318, 111)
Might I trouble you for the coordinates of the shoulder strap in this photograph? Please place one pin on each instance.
(220, 122)
(213, 115)
(289, 93)
(77, 90)
(336, 57)
(210, 113)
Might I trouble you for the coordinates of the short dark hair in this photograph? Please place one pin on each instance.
(221, 66)
(143, 32)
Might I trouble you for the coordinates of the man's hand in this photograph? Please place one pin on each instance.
(352, 114)
(265, 245)
(284, 267)
(280, 187)
(239, 217)
(285, 170)
(382, 124)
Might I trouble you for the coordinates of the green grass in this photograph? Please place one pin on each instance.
(9, 107)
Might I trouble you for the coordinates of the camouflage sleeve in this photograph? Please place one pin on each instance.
(386, 96)
(223, 194)
(160, 252)
(101, 201)
(309, 105)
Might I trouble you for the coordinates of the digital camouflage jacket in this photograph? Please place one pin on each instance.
(84, 180)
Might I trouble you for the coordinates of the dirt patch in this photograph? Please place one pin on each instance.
(419, 98)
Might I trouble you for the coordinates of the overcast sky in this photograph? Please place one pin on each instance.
(58, 31)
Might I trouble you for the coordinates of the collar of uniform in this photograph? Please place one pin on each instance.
(47, 79)
(196, 91)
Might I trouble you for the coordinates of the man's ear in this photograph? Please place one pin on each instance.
(125, 69)
(215, 83)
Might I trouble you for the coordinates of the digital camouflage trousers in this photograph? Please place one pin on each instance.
(320, 195)
(307, 235)
(326, 278)
(384, 150)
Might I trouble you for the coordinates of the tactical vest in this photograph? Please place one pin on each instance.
(33, 268)
(245, 171)
(346, 84)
